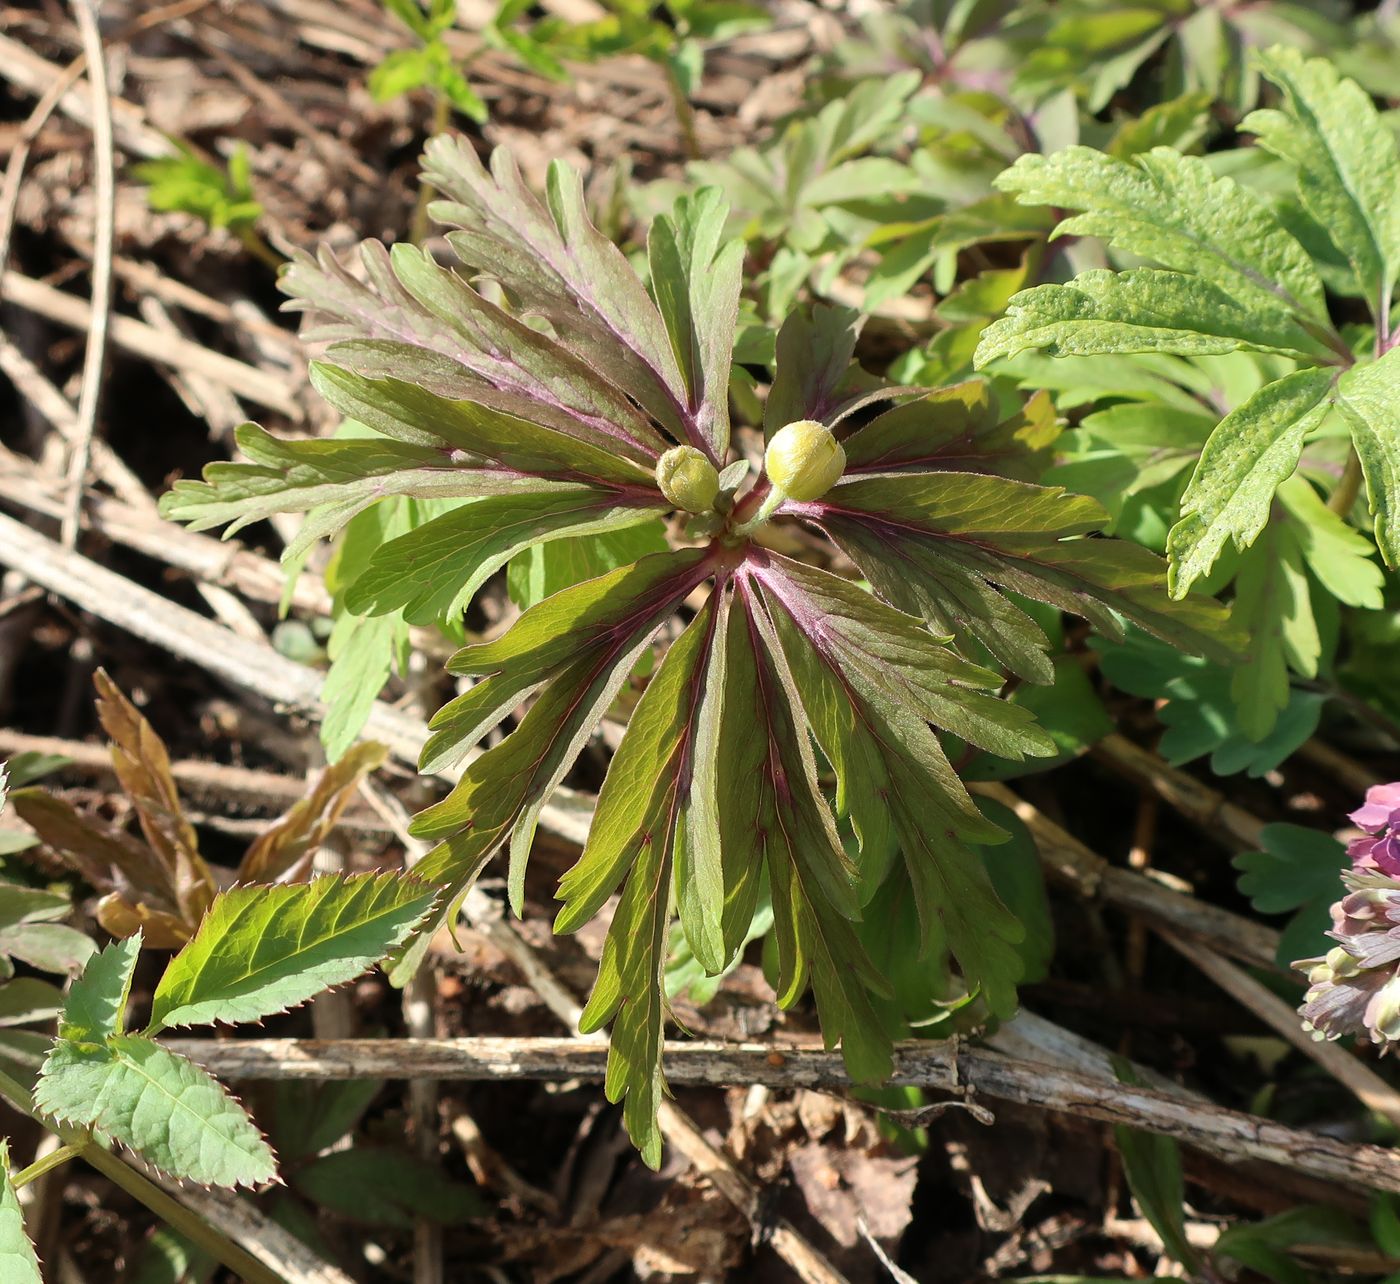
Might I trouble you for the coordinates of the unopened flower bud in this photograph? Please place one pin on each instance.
(687, 479)
(804, 460)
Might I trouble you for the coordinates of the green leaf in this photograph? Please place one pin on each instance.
(542, 570)
(1141, 310)
(362, 650)
(629, 602)
(560, 266)
(400, 72)
(1273, 607)
(26, 1000)
(18, 1262)
(811, 880)
(1338, 555)
(1299, 872)
(96, 1006)
(1347, 162)
(635, 826)
(163, 1106)
(1369, 397)
(947, 546)
(376, 1186)
(435, 570)
(696, 279)
(1252, 450)
(1018, 876)
(1152, 1165)
(262, 950)
(335, 478)
(896, 783)
(504, 789)
(1172, 209)
(306, 1118)
(813, 361)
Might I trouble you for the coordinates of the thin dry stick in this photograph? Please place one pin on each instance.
(676, 1126)
(141, 340)
(942, 1067)
(1070, 861)
(1205, 807)
(105, 195)
(226, 563)
(1350, 1071)
(21, 66)
(223, 653)
(42, 396)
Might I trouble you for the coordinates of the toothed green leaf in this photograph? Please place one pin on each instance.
(19, 1264)
(262, 950)
(1252, 450)
(163, 1106)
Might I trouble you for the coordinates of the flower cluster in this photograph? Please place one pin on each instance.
(1355, 987)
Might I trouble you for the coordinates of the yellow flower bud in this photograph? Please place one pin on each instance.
(804, 460)
(687, 479)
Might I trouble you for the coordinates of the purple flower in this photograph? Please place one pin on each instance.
(1379, 816)
(1355, 987)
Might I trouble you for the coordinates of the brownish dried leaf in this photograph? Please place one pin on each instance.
(103, 856)
(143, 768)
(305, 826)
(160, 930)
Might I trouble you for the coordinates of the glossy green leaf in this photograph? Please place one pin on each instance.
(696, 278)
(634, 832)
(262, 950)
(436, 569)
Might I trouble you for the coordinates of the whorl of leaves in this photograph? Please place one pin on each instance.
(542, 416)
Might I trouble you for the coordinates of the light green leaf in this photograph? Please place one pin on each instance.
(542, 570)
(1140, 310)
(435, 570)
(1173, 210)
(1369, 397)
(1347, 161)
(362, 650)
(262, 950)
(163, 1106)
(696, 278)
(18, 1262)
(400, 72)
(335, 478)
(1252, 450)
(1273, 608)
(27, 999)
(96, 1006)
(640, 829)
(1340, 556)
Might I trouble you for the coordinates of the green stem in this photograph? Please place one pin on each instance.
(49, 1162)
(442, 117)
(765, 510)
(685, 113)
(260, 249)
(1349, 487)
